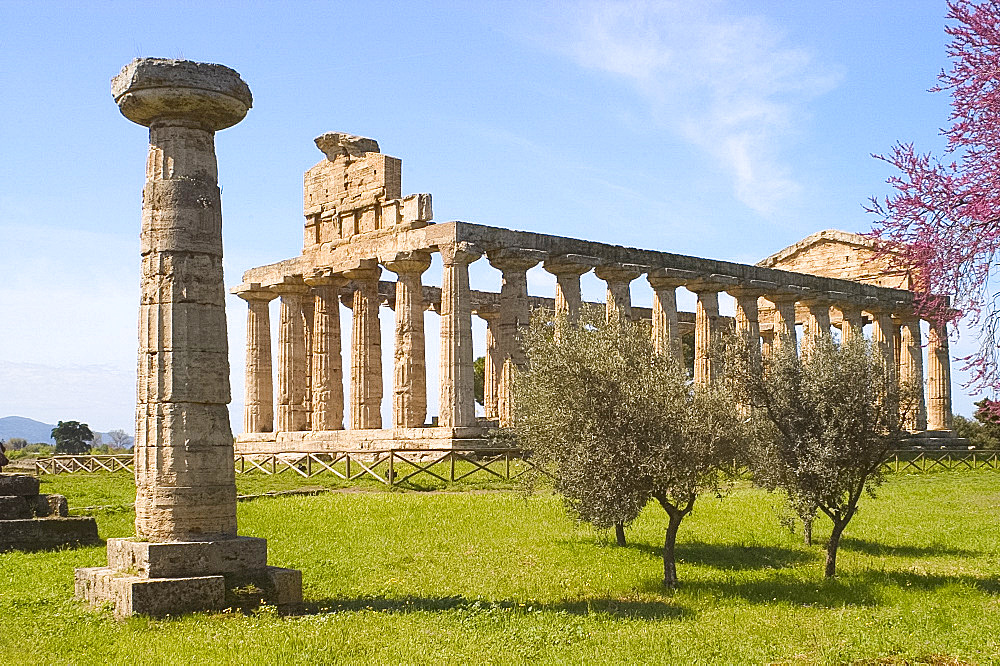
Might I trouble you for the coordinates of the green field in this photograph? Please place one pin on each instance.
(498, 577)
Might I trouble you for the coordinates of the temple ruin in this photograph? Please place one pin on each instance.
(357, 223)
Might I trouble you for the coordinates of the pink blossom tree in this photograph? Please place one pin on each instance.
(942, 222)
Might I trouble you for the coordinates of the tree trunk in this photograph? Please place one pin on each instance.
(831, 547)
(620, 533)
(807, 529)
(669, 563)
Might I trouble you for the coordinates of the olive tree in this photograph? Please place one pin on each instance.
(826, 421)
(72, 437)
(618, 424)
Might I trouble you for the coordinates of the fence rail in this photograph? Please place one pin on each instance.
(397, 466)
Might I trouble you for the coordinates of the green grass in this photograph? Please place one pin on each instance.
(409, 577)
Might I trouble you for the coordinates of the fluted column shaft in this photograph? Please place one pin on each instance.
(882, 339)
(457, 400)
(258, 409)
(784, 320)
(568, 269)
(515, 314)
(748, 314)
(817, 323)
(912, 369)
(327, 361)
(366, 349)
(666, 328)
(619, 297)
(705, 325)
(291, 360)
(493, 363)
(308, 311)
(851, 321)
(409, 391)
(939, 415)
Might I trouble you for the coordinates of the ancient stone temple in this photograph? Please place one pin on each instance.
(357, 223)
(186, 551)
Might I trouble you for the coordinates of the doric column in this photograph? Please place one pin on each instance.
(618, 277)
(568, 268)
(912, 368)
(767, 342)
(493, 363)
(409, 391)
(784, 317)
(666, 329)
(185, 481)
(308, 307)
(939, 416)
(851, 322)
(706, 325)
(882, 337)
(291, 357)
(515, 313)
(327, 362)
(817, 323)
(366, 347)
(457, 400)
(258, 409)
(747, 311)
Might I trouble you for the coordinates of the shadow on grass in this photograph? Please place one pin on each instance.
(619, 608)
(866, 588)
(730, 556)
(878, 549)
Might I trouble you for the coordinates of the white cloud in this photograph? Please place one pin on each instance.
(728, 84)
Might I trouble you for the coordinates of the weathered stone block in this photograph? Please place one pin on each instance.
(13, 507)
(18, 484)
(134, 595)
(48, 505)
(284, 586)
(188, 558)
(39, 533)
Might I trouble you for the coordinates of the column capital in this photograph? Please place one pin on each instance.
(414, 262)
(670, 278)
(570, 264)
(459, 252)
(325, 277)
(253, 292)
(711, 283)
(619, 272)
(363, 269)
(514, 259)
(290, 285)
(488, 311)
(788, 294)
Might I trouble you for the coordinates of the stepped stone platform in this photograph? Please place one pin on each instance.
(30, 520)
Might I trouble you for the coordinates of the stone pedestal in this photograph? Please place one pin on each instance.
(33, 521)
(185, 480)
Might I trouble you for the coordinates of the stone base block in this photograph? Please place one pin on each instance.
(188, 558)
(18, 484)
(136, 595)
(41, 533)
(183, 576)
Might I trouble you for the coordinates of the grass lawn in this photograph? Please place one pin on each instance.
(411, 577)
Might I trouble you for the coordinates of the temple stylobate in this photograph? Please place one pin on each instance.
(359, 229)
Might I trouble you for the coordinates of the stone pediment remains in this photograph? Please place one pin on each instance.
(839, 254)
(356, 190)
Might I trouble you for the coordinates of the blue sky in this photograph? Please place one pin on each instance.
(718, 129)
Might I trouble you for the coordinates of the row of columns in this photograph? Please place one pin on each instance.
(310, 382)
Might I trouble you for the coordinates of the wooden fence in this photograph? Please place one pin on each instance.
(396, 466)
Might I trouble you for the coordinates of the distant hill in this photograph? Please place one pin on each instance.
(30, 429)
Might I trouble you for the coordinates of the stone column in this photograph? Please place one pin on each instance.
(747, 311)
(939, 415)
(619, 298)
(327, 363)
(852, 322)
(366, 348)
(784, 318)
(568, 268)
(706, 325)
(185, 510)
(912, 368)
(409, 392)
(515, 313)
(817, 322)
(666, 329)
(457, 401)
(291, 358)
(258, 410)
(882, 337)
(493, 364)
(308, 307)
(767, 342)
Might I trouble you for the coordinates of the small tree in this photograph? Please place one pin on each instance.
(826, 422)
(120, 439)
(72, 437)
(618, 424)
(15, 443)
